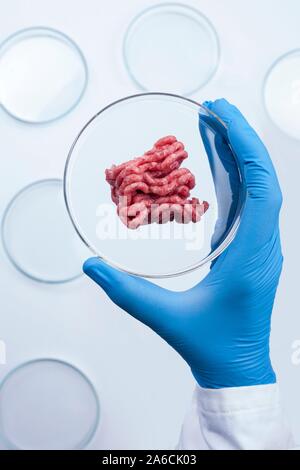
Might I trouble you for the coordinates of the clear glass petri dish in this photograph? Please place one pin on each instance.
(47, 404)
(38, 236)
(126, 129)
(43, 75)
(171, 47)
(281, 92)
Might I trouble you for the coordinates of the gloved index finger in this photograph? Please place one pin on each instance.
(224, 171)
(251, 153)
(259, 219)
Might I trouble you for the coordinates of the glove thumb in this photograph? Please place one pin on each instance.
(143, 300)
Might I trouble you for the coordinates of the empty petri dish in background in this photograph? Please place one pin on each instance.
(172, 48)
(38, 236)
(282, 93)
(47, 404)
(126, 129)
(43, 75)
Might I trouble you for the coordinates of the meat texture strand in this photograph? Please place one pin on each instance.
(153, 188)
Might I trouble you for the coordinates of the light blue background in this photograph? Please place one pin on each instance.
(142, 407)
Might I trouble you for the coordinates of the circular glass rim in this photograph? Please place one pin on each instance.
(47, 32)
(3, 236)
(187, 8)
(264, 86)
(85, 441)
(214, 254)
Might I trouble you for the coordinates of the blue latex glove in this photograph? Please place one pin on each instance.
(221, 327)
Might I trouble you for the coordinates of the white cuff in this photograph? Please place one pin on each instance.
(237, 399)
(236, 419)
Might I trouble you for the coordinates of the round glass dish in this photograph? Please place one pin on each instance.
(47, 404)
(126, 129)
(43, 75)
(38, 236)
(282, 93)
(171, 47)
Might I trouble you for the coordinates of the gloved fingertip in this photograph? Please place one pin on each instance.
(102, 273)
(210, 119)
(207, 104)
(90, 265)
(225, 110)
(222, 103)
(97, 270)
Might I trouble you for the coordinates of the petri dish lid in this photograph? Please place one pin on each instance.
(43, 75)
(282, 93)
(47, 404)
(126, 129)
(172, 48)
(38, 236)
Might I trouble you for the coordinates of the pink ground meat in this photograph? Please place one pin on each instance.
(154, 189)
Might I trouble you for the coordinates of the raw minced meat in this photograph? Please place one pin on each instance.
(154, 189)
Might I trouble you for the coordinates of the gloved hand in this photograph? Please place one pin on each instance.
(221, 327)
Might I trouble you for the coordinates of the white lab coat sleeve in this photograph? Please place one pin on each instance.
(236, 419)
